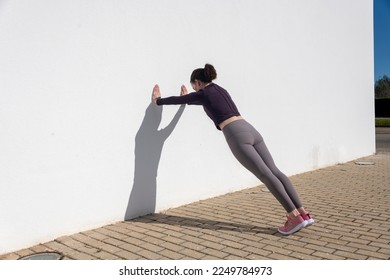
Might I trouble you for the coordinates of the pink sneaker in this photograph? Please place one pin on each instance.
(293, 224)
(308, 218)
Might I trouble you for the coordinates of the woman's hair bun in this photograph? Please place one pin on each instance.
(206, 74)
(209, 73)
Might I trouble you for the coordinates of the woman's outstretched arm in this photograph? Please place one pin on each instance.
(184, 98)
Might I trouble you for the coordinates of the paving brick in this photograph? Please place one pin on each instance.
(355, 240)
(171, 255)
(95, 235)
(237, 253)
(256, 257)
(276, 256)
(302, 256)
(280, 250)
(320, 248)
(126, 255)
(333, 241)
(70, 252)
(233, 257)
(110, 248)
(290, 241)
(349, 255)
(174, 233)
(134, 241)
(213, 245)
(82, 256)
(152, 240)
(299, 249)
(102, 255)
(366, 233)
(151, 247)
(368, 238)
(380, 245)
(39, 248)
(314, 241)
(363, 246)
(193, 239)
(173, 239)
(171, 246)
(210, 257)
(11, 256)
(327, 256)
(149, 255)
(328, 234)
(130, 247)
(385, 251)
(341, 247)
(114, 241)
(192, 246)
(156, 234)
(253, 244)
(252, 237)
(87, 241)
(111, 233)
(215, 253)
(192, 254)
(235, 245)
(385, 237)
(372, 254)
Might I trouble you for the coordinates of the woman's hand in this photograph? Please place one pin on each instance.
(156, 93)
(183, 90)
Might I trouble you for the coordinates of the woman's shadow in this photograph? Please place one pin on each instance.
(149, 143)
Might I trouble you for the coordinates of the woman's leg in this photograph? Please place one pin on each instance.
(241, 139)
(264, 153)
(243, 149)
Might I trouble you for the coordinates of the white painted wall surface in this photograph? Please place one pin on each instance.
(79, 138)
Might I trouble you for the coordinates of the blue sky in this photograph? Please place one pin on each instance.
(382, 38)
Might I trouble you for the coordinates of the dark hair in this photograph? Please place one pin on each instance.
(205, 75)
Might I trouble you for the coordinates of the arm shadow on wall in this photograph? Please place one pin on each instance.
(149, 142)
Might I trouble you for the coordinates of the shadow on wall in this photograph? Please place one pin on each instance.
(149, 143)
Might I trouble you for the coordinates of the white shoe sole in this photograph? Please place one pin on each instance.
(309, 222)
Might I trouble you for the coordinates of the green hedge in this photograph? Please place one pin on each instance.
(382, 122)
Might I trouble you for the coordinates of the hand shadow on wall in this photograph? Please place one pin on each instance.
(149, 143)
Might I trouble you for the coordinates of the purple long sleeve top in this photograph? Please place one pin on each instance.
(215, 100)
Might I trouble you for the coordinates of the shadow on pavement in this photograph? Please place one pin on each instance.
(204, 224)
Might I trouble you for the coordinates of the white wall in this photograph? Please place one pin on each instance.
(79, 139)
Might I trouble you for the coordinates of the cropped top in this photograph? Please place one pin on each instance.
(215, 100)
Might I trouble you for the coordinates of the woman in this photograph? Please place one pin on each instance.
(244, 141)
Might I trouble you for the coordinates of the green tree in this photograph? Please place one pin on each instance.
(382, 87)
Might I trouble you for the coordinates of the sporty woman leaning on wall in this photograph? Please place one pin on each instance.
(245, 142)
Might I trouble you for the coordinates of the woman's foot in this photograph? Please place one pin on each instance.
(292, 225)
(308, 218)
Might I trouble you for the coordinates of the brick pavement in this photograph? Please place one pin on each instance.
(350, 203)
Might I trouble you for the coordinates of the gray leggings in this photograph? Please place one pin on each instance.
(249, 148)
